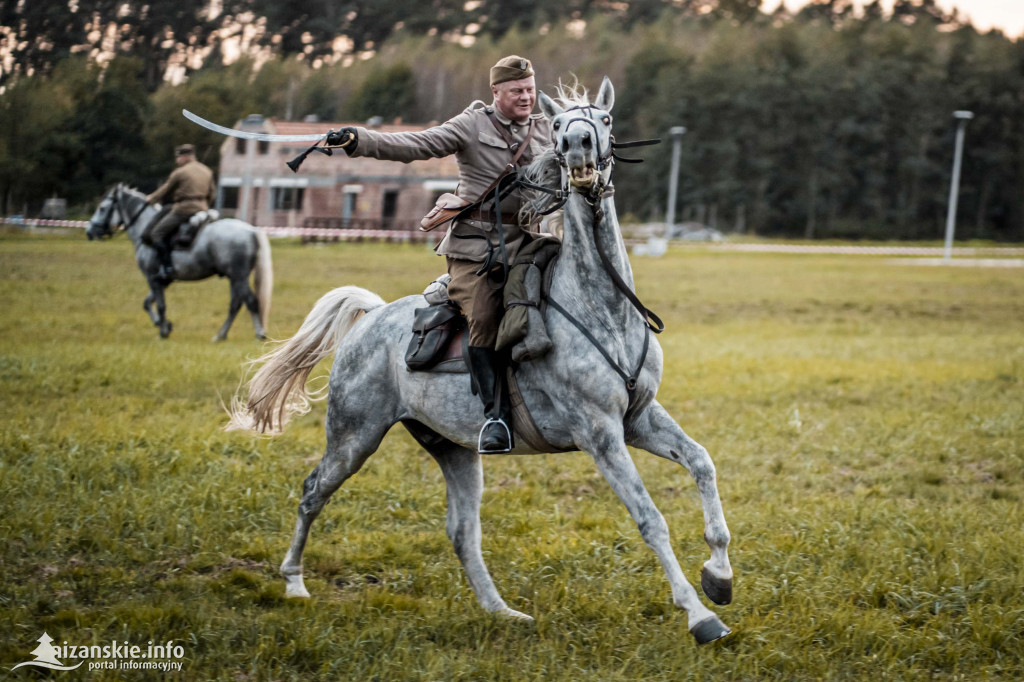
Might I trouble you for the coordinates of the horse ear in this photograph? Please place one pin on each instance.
(548, 106)
(605, 96)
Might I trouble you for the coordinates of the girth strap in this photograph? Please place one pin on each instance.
(525, 427)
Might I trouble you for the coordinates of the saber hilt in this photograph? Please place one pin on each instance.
(297, 161)
(341, 139)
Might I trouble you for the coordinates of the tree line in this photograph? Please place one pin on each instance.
(821, 123)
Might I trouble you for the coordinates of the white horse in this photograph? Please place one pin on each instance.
(229, 248)
(594, 391)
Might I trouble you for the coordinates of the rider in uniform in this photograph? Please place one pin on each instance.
(484, 140)
(191, 188)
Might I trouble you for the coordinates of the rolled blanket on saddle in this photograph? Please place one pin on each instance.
(523, 327)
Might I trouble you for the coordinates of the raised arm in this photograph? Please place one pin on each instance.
(164, 190)
(443, 140)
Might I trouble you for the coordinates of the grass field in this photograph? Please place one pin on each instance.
(866, 419)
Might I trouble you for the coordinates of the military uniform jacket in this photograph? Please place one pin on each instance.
(482, 156)
(190, 187)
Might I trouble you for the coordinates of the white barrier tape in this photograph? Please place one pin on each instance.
(340, 233)
(270, 230)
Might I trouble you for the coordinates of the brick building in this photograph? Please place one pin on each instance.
(255, 185)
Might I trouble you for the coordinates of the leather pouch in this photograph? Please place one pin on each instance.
(432, 330)
(445, 209)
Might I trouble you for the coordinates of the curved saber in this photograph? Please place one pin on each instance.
(246, 135)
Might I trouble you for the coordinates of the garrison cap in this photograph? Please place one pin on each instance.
(184, 149)
(511, 68)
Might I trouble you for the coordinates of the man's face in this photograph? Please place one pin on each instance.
(515, 99)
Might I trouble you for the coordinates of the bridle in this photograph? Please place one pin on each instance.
(120, 208)
(116, 203)
(604, 157)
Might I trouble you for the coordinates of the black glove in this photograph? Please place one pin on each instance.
(346, 138)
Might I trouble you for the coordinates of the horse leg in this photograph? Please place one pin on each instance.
(253, 306)
(345, 454)
(464, 480)
(654, 430)
(147, 305)
(617, 467)
(238, 288)
(161, 311)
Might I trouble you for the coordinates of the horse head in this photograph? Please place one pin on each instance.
(583, 133)
(106, 217)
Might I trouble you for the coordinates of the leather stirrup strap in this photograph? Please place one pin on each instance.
(522, 420)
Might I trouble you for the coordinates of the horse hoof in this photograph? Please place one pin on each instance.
(166, 331)
(717, 589)
(709, 630)
(217, 338)
(512, 614)
(261, 337)
(295, 588)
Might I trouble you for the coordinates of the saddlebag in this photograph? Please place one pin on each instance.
(432, 330)
(447, 207)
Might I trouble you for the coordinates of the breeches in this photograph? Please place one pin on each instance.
(165, 227)
(483, 306)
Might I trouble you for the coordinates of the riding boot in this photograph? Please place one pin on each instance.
(487, 371)
(163, 252)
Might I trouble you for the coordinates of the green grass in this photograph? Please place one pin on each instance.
(866, 419)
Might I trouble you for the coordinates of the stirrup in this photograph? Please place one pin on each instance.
(480, 440)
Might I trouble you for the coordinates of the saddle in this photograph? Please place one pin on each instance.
(440, 340)
(189, 230)
(434, 328)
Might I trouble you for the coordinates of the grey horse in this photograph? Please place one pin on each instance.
(228, 248)
(577, 398)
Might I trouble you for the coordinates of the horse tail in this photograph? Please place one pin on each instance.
(264, 277)
(277, 389)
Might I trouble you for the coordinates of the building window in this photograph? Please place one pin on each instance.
(229, 197)
(262, 146)
(239, 146)
(288, 198)
(389, 207)
(348, 208)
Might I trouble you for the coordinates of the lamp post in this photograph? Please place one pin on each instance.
(677, 133)
(251, 122)
(962, 118)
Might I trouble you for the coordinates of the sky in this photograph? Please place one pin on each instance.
(1006, 15)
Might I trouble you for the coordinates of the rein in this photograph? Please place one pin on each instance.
(593, 198)
(652, 323)
(120, 208)
(507, 183)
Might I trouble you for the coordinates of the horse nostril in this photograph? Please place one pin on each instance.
(565, 145)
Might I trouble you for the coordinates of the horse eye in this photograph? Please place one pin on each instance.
(557, 125)
(607, 120)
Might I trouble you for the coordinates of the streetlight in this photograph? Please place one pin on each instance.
(962, 118)
(677, 133)
(251, 122)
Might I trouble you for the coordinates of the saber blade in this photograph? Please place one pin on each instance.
(247, 135)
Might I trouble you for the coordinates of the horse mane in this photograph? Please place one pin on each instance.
(133, 191)
(543, 170)
(572, 94)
